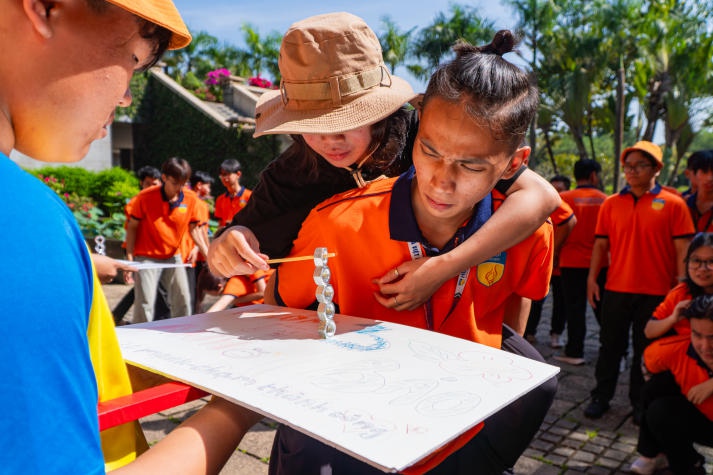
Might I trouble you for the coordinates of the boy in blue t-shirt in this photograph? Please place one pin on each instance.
(65, 67)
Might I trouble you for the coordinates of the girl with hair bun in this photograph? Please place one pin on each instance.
(474, 118)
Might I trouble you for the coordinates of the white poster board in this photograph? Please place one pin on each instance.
(385, 393)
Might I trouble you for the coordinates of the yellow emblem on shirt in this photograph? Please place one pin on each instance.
(657, 204)
(492, 270)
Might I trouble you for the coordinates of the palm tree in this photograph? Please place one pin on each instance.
(537, 20)
(433, 43)
(674, 74)
(618, 24)
(261, 54)
(191, 58)
(394, 43)
(569, 69)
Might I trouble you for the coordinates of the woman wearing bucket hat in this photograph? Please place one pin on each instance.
(346, 115)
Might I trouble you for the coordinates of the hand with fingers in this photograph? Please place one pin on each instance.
(108, 268)
(408, 285)
(236, 252)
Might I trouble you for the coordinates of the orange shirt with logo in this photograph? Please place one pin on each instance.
(227, 206)
(641, 235)
(356, 225)
(585, 201)
(163, 225)
(363, 226)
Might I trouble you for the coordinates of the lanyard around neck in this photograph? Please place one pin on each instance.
(416, 252)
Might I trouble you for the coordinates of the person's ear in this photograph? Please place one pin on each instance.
(40, 13)
(518, 159)
(417, 103)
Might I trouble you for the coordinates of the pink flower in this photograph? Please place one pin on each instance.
(260, 82)
(216, 76)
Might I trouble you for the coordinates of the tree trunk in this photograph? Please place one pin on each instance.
(591, 134)
(656, 107)
(579, 141)
(619, 122)
(533, 78)
(548, 146)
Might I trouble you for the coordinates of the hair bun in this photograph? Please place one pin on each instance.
(503, 42)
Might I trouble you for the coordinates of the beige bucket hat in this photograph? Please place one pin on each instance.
(162, 13)
(333, 80)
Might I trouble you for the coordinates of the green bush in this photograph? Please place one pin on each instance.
(73, 179)
(112, 189)
(97, 199)
(93, 223)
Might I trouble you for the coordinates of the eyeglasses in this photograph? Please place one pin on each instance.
(698, 263)
(639, 167)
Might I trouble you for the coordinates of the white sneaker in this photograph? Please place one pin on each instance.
(648, 466)
(556, 341)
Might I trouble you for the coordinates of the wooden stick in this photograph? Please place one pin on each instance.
(298, 258)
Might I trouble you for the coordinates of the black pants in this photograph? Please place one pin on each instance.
(621, 313)
(558, 310)
(671, 424)
(495, 448)
(574, 295)
(191, 276)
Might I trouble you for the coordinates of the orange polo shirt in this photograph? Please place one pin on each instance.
(585, 201)
(370, 230)
(227, 206)
(676, 354)
(560, 216)
(702, 221)
(163, 225)
(188, 243)
(665, 308)
(240, 285)
(641, 234)
(127, 213)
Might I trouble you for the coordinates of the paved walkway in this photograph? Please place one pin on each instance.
(567, 443)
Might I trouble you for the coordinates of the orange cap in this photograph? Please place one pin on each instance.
(162, 13)
(647, 147)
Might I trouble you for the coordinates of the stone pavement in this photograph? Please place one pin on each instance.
(567, 443)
